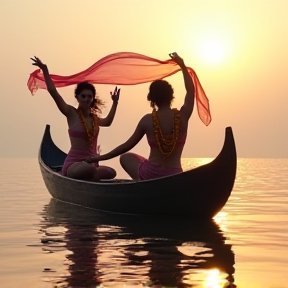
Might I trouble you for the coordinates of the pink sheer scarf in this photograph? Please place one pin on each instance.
(125, 68)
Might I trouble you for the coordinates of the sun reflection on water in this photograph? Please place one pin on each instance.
(214, 279)
(221, 220)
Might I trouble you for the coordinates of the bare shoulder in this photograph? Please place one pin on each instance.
(72, 113)
(146, 119)
(71, 110)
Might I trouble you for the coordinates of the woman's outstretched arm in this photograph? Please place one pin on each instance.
(123, 148)
(61, 104)
(187, 108)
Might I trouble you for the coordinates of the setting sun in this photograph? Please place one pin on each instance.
(212, 50)
(214, 45)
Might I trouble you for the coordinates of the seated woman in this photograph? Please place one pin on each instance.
(83, 123)
(166, 131)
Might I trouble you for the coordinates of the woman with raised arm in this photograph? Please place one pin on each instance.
(165, 128)
(83, 123)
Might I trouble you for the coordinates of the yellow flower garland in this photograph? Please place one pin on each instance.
(166, 143)
(90, 134)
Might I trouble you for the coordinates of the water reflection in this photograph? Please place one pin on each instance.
(112, 250)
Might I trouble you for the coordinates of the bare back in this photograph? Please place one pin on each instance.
(166, 121)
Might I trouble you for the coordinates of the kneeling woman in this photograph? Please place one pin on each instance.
(165, 128)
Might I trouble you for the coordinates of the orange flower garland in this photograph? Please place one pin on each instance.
(166, 143)
(90, 133)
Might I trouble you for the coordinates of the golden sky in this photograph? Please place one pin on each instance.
(237, 48)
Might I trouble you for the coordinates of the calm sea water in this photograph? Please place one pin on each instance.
(46, 243)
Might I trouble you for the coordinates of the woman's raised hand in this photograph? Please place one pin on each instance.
(174, 56)
(115, 95)
(37, 62)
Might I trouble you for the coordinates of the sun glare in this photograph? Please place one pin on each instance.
(212, 50)
(214, 279)
(212, 47)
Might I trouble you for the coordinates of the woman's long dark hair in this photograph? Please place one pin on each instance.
(96, 103)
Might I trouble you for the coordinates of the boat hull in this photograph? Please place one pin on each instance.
(198, 193)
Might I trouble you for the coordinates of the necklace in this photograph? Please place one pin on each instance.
(166, 143)
(90, 133)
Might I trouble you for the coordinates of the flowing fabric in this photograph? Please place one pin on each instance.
(125, 68)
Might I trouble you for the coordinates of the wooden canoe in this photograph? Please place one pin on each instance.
(197, 193)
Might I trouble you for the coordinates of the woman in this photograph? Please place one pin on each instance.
(83, 124)
(166, 131)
